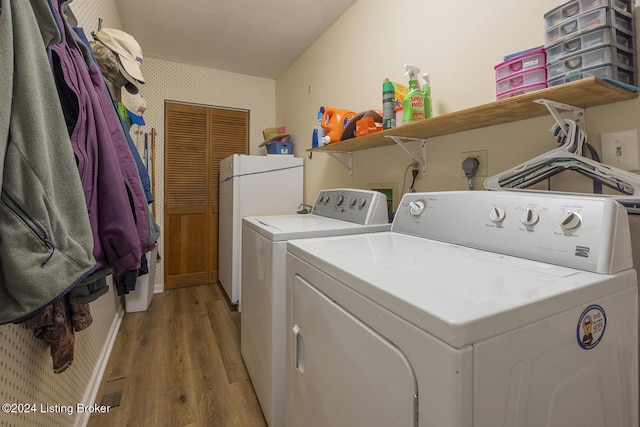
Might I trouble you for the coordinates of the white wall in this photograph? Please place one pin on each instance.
(459, 45)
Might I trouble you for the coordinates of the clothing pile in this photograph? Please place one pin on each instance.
(75, 197)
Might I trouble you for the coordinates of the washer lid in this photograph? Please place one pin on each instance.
(457, 294)
(286, 227)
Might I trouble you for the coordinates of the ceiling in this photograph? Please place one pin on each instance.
(256, 37)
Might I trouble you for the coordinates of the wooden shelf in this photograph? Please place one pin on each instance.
(583, 93)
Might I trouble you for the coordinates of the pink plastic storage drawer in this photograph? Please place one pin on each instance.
(521, 91)
(534, 76)
(525, 62)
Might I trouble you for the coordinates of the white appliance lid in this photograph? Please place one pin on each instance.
(287, 227)
(238, 165)
(458, 294)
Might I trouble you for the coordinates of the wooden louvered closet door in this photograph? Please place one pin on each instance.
(196, 139)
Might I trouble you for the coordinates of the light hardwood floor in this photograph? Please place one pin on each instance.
(178, 364)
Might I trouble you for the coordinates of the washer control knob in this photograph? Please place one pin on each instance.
(416, 207)
(529, 216)
(362, 202)
(352, 201)
(497, 214)
(340, 200)
(569, 220)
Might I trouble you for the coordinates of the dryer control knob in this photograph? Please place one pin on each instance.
(529, 216)
(416, 207)
(569, 220)
(340, 200)
(352, 201)
(497, 214)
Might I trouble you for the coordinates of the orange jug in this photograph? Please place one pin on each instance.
(333, 122)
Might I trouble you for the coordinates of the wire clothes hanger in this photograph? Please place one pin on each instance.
(567, 157)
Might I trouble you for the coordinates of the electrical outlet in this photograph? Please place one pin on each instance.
(419, 176)
(482, 157)
(620, 149)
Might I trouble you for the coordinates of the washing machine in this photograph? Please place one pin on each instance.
(477, 309)
(335, 212)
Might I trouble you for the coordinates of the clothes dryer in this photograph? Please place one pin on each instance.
(478, 309)
(264, 238)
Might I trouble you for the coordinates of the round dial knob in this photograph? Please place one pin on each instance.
(416, 207)
(340, 200)
(496, 214)
(569, 220)
(362, 202)
(529, 216)
(352, 201)
(321, 198)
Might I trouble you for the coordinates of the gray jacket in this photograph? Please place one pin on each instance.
(46, 244)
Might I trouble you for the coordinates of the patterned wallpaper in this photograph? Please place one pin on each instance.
(88, 12)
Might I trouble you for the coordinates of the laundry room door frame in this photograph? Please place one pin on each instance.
(197, 137)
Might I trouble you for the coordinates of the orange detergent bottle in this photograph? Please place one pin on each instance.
(333, 122)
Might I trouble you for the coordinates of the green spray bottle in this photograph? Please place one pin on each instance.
(426, 92)
(413, 104)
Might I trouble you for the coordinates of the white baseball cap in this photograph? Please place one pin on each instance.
(126, 49)
(135, 105)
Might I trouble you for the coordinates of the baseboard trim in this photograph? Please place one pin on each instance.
(82, 419)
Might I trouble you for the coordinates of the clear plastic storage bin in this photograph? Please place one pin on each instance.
(589, 21)
(607, 71)
(535, 76)
(589, 59)
(577, 7)
(590, 40)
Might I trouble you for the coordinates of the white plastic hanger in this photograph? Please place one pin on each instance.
(566, 157)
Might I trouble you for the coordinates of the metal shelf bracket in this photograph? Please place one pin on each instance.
(348, 164)
(401, 140)
(553, 106)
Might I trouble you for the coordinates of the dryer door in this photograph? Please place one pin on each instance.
(343, 373)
